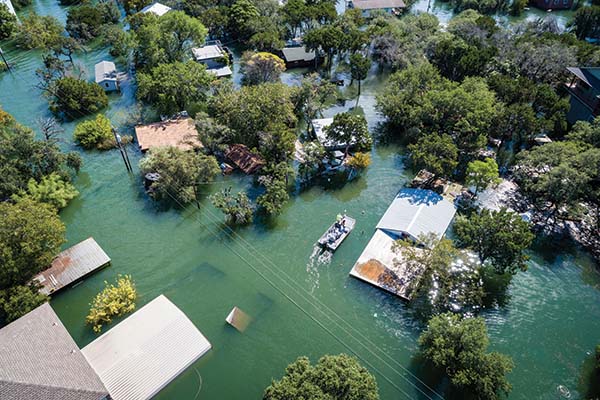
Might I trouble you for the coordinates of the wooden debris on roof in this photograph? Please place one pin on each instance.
(238, 319)
(180, 133)
(244, 159)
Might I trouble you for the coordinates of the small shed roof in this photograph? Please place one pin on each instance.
(142, 354)
(71, 265)
(377, 4)
(207, 52)
(590, 75)
(244, 159)
(156, 8)
(297, 53)
(40, 361)
(180, 133)
(221, 71)
(417, 212)
(105, 70)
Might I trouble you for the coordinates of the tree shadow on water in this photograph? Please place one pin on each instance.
(589, 378)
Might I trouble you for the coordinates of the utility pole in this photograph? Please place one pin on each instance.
(123, 151)
(4, 59)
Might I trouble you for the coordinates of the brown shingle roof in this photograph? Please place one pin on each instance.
(180, 133)
(244, 159)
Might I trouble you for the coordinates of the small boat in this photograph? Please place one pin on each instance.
(337, 232)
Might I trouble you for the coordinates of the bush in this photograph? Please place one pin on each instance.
(76, 97)
(95, 134)
(52, 190)
(39, 32)
(359, 160)
(18, 301)
(237, 208)
(112, 301)
(8, 22)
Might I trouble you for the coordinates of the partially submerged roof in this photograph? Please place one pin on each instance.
(207, 52)
(40, 361)
(156, 8)
(71, 265)
(105, 70)
(418, 212)
(244, 159)
(180, 133)
(142, 354)
(377, 4)
(297, 53)
(221, 71)
(591, 76)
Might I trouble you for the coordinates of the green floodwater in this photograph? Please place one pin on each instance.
(549, 325)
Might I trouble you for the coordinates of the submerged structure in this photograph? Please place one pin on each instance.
(244, 159)
(413, 213)
(180, 133)
(106, 76)
(298, 56)
(367, 6)
(584, 90)
(156, 8)
(215, 57)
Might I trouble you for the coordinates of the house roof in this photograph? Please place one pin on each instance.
(105, 70)
(71, 265)
(143, 353)
(8, 4)
(591, 76)
(297, 53)
(207, 52)
(221, 72)
(180, 133)
(418, 212)
(40, 361)
(156, 8)
(377, 4)
(244, 159)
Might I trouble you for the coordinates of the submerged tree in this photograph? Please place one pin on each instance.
(39, 32)
(261, 67)
(8, 22)
(349, 130)
(51, 190)
(436, 153)
(359, 68)
(482, 174)
(113, 301)
(237, 209)
(76, 97)
(95, 133)
(338, 377)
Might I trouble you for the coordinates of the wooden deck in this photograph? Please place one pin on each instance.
(71, 265)
(324, 240)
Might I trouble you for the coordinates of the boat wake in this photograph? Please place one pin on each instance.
(318, 257)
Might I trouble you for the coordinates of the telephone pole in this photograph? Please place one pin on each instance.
(4, 59)
(123, 151)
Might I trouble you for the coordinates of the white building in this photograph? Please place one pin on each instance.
(106, 76)
(156, 8)
(215, 58)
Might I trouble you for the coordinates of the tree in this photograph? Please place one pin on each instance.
(180, 172)
(39, 32)
(261, 67)
(30, 237)
(312, 159)
(8, 22)
(586, 22)
(52, 190)
(457, 59)
(327, 38)
(18, 301)
(349, 130)
(237, 209)
(436, 153)
(95, 133)
(241, 15)
(458, 347)
(482, 174)
(359, 68)
(274, 179)
(134, 6)
(84, 22)
(359, 161)
(499, 238)
(113, 301)
(76, 97)
(175, 87)
(333, 377)
(310, 97)
(213, 136)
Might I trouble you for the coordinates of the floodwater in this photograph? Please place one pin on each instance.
(301, 302)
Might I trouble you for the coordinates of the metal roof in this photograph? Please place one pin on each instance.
(105, 71)
(207, 52)
(71, 265)
(417, 212)
(142, 354)
(377, 4)
(40, 361)
(156, 8)
(8, 4)
(297, 53)
(591, 76)
(221, 72)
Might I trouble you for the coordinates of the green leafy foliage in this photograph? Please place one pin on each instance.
(237, 209)
(52, 190)
(87, 21)
(274, 178)
(338, 377)
(76, 97)
(95, 133)
(499, 238)
(261, 67)
(359, 68)
(482, 174)
(586, 22)
(175, 87)
(350, 130)
(114, 300)
(436, 153)
(8, 23)
(30, 237)
(458, 347)
(39, 32)
(18, 301)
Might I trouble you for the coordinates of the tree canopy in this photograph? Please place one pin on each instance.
(349, 130)
(8, 22)
(261, 67)
(74, 98)
(95, 133)
(482, 174)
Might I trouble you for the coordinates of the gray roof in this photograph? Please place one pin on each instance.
(207, 52)
(417, 212)
(377, 4)
(591, 76)
(40, 361)
(156, 8)
(105, 71)
(297, 53)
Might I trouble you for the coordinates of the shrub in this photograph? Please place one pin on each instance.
(76, 97)
(95, 133)
(359, 160)
(18, 301)
(112, 301)
(52, 190)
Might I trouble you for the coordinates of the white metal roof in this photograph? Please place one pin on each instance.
(418, 212)
(105, 71)
(142, 354)
(221, 72)
(207, 52)
(8, 4)
(156, 8)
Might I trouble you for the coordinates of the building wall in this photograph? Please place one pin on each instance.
(579, 111)
(109, 85)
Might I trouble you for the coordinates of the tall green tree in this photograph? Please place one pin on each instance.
(349, 130)
(73, 97)
(238, 209)
(436, 153)
(8, 22)
(51, 190)
(261, 67)
(39, 32)
(458, 347)
(359, 68)
(499, 238)
(18, 301)
(482, 174)
(338, 377)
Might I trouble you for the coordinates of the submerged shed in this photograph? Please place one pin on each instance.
(142, 354)
(106, 75)
(298, 56)
(156, 8)
(71, 265)
(244, 159)
(180, 133)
